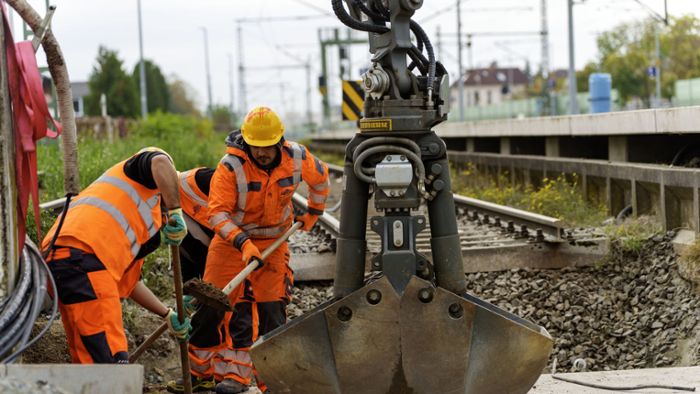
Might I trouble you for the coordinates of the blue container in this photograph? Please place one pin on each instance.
(599, 86)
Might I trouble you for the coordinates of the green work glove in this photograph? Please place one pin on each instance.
(187, 303)
(175, 229)
(181, 331)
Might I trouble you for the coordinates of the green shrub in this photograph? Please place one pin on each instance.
(559, 198)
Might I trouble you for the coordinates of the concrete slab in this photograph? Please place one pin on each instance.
(74, 378)
(683, 376)
(682, 240)
(682, 120)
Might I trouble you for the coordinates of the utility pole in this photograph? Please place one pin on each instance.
(324, 43)
(206, 64)
(460, 81)
(230, 83)
(545, 39)
(242, 104)
(438, 42)
(657, 61)
(309, 114)
(142, 68)
(573, 101)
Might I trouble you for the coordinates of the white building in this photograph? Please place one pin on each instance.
(492, 85)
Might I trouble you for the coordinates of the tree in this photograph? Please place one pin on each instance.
(628, 50)
(109, 78)
(224, 120)
(157, 93)
(582, 76)
(183, 98)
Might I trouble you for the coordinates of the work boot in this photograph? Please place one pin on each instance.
(230, 386)
(198, 384)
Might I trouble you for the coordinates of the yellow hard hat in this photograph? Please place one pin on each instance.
(262, 127)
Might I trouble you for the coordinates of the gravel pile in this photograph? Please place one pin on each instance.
(314, 241)
(633, 311)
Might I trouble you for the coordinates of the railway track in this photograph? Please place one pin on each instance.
(493, 238)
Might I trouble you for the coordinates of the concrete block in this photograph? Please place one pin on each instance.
(615, 123)
(678, 120)
(682, 240)
(75, 378)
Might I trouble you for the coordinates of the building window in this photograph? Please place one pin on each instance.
(488, 97)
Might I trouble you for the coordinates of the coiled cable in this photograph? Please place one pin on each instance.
(18, 314)
(21, 309)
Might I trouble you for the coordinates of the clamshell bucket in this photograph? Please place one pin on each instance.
(426, 340)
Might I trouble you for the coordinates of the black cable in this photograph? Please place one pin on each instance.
(422, 36)
(624, 388)
(66, 205)
(353, 23)
(616, 388)
(417, 60)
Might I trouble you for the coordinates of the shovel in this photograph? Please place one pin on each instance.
(207, 294)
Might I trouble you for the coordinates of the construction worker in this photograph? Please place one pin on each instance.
(250, 205)
(194, 193)
(98, 252)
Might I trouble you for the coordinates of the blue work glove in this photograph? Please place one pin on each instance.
(175, 229)
(181, 331)
(187, 303)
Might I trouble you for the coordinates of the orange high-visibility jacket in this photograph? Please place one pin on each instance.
(112, 218)
(247, 202)
(192, 200)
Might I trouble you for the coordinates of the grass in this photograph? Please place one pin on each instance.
(330, 158)
(632, 234)
(558, 197)
(690, 261)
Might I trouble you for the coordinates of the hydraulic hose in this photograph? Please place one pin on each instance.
(353, 23)
(386, 140)
(357, 165)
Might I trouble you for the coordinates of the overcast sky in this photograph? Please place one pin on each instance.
(173, 38)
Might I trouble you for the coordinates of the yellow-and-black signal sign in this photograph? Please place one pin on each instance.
(353, 100)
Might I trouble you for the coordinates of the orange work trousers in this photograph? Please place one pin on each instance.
(220, 341)
(89, 301)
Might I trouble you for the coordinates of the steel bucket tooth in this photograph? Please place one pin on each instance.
(427, 340)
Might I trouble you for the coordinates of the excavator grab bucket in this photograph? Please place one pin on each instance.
(426, 340)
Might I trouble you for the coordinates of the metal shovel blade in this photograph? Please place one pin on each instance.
(427, 340)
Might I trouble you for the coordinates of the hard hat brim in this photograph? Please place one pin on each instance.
(262, 143)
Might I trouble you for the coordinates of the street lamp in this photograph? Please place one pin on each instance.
(573, 99)
(142, 68)
(206, 64)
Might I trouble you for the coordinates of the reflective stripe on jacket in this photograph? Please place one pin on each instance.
(113, 217)
(245, 201)
(192, 200)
